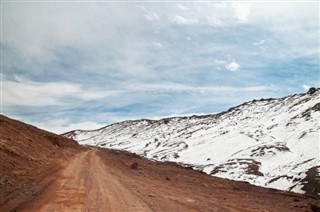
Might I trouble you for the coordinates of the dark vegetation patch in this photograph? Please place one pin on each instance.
(269, 149)
(279, 177)
(307, 113)
(176, 155)
(251, 166)
(316, 107)
(311, 183)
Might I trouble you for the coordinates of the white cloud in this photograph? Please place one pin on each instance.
(261, 42)
(157, 44)
(306, 87)
(23, 92)
(152, 16)
(149, 15)
(182, 7)
(233, 66)
(217, 61)
(282, 13)
(242, 11)
(184, 21)
(60, 126)
(214, 21)
(47, 28)
(88, 125)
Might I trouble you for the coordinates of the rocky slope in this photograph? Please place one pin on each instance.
(27, 154)
(268, 142)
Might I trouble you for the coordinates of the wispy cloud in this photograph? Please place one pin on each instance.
(306, 87)
(64, 125)
(191, 88)
(182, 7)
(242, 11)
(149, 15)
(214, 21)
(157, 44)
(184, 21)
(261, 42)
(24, 92)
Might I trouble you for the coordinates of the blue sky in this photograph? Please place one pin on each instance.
(69, 65)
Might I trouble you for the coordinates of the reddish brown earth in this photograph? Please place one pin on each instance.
(74, 178)
(27, 155)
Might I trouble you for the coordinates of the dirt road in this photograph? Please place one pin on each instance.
(86, 185)
(106, 180)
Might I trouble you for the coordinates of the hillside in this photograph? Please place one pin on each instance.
(41, 171)
(27, 154)
(268, 142)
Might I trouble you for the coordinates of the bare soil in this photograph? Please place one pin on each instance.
(29, 155)
(93, 179)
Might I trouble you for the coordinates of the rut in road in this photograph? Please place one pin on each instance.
(86, 185)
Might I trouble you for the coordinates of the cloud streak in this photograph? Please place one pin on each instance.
(184, 21)
(24, 92)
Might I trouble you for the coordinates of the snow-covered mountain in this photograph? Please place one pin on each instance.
(268, 142)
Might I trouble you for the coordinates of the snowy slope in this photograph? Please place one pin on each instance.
(269, 142)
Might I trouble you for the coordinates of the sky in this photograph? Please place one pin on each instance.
(69, 65)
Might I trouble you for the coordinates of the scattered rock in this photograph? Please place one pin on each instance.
(311, 90)
(296, 200)
(134, 166)
(316, 107)
(314, 208)
(167, 178)
(190, 200)
(204, 185)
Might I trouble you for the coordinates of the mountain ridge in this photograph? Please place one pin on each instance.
(310, 91)
(243, 143)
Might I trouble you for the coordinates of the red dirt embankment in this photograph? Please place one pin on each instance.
(109, 180)
(27, 155)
